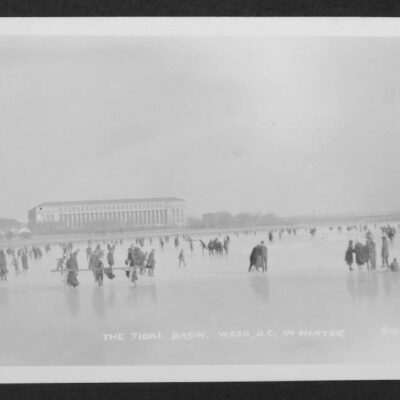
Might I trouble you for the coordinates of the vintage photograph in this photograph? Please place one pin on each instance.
(199, 200)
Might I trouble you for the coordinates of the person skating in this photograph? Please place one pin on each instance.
(181, 258)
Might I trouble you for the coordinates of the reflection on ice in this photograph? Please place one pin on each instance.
(260, 286)
(307, 287)
(98, 302)
(72, 300)
(372, 285)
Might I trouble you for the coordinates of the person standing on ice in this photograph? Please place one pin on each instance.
(181, 258)
(264, 256)
(255, 258)
(89, 252)
(385, 252)
(110, 261)
(72, 269)
(394, 266)
(98, 268)
(360, 253)
(349, 255)
(3, 266)
(370, 245)
(151, 263)
(15, 263)
(24, 260)
(130, 263)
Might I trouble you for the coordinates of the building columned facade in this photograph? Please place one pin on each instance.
(124, 213)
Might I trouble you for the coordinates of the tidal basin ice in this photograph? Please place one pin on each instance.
(307, 308)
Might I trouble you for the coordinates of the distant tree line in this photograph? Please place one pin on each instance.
(7, 224)
(99, 226)
(224, 219)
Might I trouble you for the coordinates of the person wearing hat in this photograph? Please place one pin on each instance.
(264, 256)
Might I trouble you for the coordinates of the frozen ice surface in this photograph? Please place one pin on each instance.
(211, 312)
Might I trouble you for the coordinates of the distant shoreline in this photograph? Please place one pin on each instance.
(112, 236)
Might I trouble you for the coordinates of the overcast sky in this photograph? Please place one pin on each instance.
(279, 125)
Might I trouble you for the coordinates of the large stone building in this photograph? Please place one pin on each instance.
(124, 213)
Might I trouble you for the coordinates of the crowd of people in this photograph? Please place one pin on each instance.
(100, 256)
(366, 254)
(17, 258)
(135, 260)
(216, 246)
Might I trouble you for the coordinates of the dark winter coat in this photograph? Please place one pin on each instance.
(349, 256)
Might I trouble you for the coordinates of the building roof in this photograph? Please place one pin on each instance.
(81, 202)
